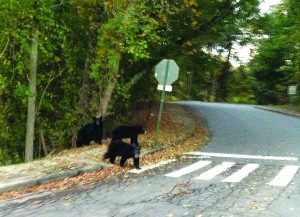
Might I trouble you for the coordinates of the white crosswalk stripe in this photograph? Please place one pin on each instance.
(284, 176)
(242, 156)
(282, 179)
(210, 174)
(186, 170)
(241, 174)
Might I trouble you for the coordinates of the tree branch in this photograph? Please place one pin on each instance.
(44, 91)
(58, 5)
(4, 48)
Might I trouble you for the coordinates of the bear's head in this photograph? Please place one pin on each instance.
(136, 150)
(141, 129)
(98, 121)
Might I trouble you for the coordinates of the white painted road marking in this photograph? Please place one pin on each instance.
(282, 179)
(186, 170)
(242, 173)
(210, 174)
(152, 166)
(284, 176)
(257, 157)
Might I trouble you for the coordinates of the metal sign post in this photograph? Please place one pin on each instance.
(166, 72)
(162, 99)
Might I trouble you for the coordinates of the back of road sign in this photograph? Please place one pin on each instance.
(168, 67)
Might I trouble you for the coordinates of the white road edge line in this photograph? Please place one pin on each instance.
(257, 157)
(151, 166)
(210, 174)
(191, 168)
(285, 175)
(241, 174)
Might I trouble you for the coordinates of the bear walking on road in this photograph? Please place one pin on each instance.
(132, 132)
(91, 132)
(125, 151)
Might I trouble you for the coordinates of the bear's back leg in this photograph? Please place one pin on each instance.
(112, 159)
(123, 160)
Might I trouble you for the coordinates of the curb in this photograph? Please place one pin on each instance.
(17, 185)
(30, 182)
(278, 111)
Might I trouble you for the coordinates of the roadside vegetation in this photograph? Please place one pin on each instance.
(61, 62)
(291, 108)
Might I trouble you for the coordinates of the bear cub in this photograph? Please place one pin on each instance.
(125, 151)
(132, 132)
(90, 132)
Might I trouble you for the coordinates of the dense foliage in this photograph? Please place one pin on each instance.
(96, 57)
(277, 62)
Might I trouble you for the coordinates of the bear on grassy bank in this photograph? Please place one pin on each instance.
(125, 151)
(91, 132)
(132, 132)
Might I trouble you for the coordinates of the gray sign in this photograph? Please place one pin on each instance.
(292, 90)
(166, 72)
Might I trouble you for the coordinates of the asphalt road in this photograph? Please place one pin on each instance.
(247, 130)
(236, 178)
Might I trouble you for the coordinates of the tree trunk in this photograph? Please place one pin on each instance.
(222, 85)
(85, 88)
(222, 81)
(105, 99)
(106, 96)
(43, 143)
(32, 98)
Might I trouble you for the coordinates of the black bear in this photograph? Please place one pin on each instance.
(125, 151)
(90, 132)
(132, 132)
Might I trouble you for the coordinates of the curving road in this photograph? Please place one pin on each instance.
(249, 168)
(245, 129)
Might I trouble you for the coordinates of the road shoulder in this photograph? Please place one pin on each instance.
(281, 110)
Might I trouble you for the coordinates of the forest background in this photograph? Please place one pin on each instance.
(63, 61)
